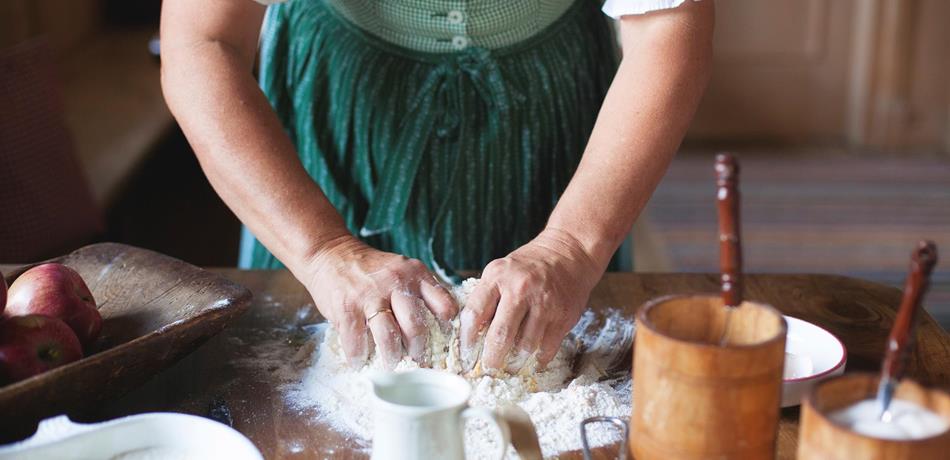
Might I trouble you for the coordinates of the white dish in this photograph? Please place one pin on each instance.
(812, 354)
(153, 436)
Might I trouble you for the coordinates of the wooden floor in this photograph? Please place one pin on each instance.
(811, 212)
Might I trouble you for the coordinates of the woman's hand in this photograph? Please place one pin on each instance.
(357, 287)
(528, 301)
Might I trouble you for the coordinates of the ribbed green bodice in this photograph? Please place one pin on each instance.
(451, 25)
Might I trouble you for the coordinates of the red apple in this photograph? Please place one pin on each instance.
(58, 291)
(33, 344)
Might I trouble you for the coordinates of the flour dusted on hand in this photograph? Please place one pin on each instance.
(556, 398)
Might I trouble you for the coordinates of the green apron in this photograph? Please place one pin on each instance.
(452, 149)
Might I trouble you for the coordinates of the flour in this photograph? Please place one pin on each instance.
(586, 378)
(908, 420)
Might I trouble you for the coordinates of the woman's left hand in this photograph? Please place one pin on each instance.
(528, 301)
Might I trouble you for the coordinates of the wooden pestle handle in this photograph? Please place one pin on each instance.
(901, 339)
(730, 249)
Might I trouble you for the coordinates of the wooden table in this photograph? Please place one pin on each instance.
(234, 367)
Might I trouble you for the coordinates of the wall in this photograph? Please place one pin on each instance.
(67, 23)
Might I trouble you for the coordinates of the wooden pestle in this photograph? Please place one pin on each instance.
(730, 249)
(901, 339)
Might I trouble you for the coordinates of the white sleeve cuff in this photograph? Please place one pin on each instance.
(269, 2)
(617, 8)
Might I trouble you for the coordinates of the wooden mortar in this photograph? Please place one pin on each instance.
(820, 438)
(695, 399)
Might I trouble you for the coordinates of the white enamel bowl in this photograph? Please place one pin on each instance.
(136, 436)
(812, 354)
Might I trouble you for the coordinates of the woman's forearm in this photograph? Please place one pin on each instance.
(646, 112)
(239, 141)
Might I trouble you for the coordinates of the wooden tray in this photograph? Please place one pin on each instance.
(155, 310)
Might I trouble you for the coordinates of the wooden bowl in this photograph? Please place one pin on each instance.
(821, 438)
(706, 384)
(155, 310)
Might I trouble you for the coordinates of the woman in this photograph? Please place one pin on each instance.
(462, 134)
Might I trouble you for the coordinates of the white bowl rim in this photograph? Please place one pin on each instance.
(832, 369)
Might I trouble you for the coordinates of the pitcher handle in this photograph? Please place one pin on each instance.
(524, 438)
(493, 418)
(616, 421)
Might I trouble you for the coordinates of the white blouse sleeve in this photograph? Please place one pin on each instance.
(269, 2)
(617, 8)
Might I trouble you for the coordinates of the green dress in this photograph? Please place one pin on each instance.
(441, 130)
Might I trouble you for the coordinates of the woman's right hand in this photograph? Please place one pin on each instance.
(208, 51)
(357, 288)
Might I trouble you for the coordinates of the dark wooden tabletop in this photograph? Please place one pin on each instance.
(237, 368)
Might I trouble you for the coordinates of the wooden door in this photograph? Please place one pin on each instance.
(840, 72)
(780, 72)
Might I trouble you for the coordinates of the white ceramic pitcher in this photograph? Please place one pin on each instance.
(420, 414)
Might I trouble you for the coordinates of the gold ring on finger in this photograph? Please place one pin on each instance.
(385, 310)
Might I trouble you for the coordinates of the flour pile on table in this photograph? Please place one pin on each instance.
(580, 382)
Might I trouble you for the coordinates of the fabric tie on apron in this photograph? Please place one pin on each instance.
(437, 107)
